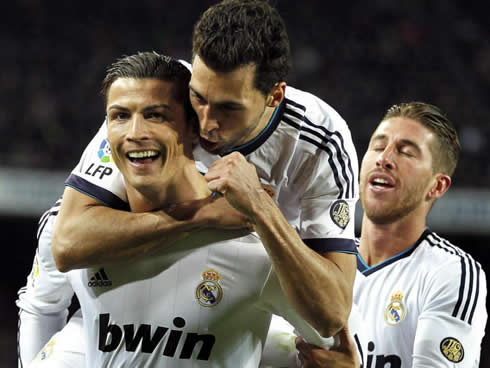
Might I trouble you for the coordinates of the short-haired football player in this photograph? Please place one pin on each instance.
(252, 125)
(422, 297)
(207, 298)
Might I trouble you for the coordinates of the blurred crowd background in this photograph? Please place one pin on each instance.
(360, 57)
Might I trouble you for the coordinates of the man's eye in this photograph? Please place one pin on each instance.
(120, 116)
(154, 116)
(407, 152)
(197, 98)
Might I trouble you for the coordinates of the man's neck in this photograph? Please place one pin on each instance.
(186, 184)
(380, 242)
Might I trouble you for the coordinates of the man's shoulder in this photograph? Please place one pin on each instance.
(312, 109)
(441, 252)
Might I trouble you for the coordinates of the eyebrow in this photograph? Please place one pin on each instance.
(147, 108)
(406, 142)
(226, 103)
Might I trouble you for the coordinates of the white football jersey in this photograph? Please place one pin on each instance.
(190, 306)
(424, 307)
(305, 155)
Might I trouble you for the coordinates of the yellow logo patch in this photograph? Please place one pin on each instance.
(339, 213)
(452, 349)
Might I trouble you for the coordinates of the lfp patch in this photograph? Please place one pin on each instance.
(339, 213)
(104, 152)
(209, 291)
(452, 349)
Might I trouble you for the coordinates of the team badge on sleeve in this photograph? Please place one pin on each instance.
(452, 349)
(46, 351)
(209, 291)
(395, 311)
(339, 213)
(104, 152)
(35, 270)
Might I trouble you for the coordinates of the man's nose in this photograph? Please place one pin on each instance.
(385, 158)
(207, 121)
(137, 129)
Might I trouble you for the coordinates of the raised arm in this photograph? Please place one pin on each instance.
(318, 285)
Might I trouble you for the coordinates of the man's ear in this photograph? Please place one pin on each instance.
(441, 185)
(276, 95)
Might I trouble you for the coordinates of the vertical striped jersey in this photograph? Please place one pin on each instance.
(305, 155)
(424, 307)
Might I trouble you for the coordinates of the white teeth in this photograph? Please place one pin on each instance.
(380, 181)
(143, 154)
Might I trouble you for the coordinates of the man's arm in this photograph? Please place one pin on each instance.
(319, 286)
(88, 233)
(342, 356)
(451, 326)
(43, 302)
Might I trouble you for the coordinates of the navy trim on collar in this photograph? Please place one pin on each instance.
(255, 143)
(366, 270)
(102, 195)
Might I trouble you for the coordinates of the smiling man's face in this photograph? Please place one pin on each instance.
(147, 130)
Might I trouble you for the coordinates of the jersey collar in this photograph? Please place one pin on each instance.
(366, 270)
(255, 143)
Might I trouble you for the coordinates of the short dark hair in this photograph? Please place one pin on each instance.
(153, 66)
(235, 33)
(447, 149)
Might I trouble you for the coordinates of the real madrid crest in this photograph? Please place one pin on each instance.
(395, 311)
(339, 213)
(209, 291)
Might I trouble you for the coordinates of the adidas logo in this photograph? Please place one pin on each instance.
(100, 279)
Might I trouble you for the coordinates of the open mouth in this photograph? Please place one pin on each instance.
(143, 157)
(381, 183)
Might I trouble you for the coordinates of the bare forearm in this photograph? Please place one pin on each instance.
(320, 289)
(89, 234)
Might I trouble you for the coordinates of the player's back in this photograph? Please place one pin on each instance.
(189, 307)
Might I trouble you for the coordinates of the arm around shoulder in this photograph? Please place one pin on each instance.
(88, 234)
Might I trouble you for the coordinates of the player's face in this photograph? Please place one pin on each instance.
(396, 171)
(147, 130)
(230, 109)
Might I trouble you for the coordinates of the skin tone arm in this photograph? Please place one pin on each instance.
(319, 286)
(88, 233)
(342, 356)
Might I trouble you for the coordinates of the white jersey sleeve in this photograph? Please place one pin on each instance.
(65, 349)
(452, 324)
(97, 176)
(43, 302)
(280, 346)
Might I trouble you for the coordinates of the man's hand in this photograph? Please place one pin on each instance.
(343, 356)
(237, 180)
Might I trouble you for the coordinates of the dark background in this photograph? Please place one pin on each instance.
(360, 57)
